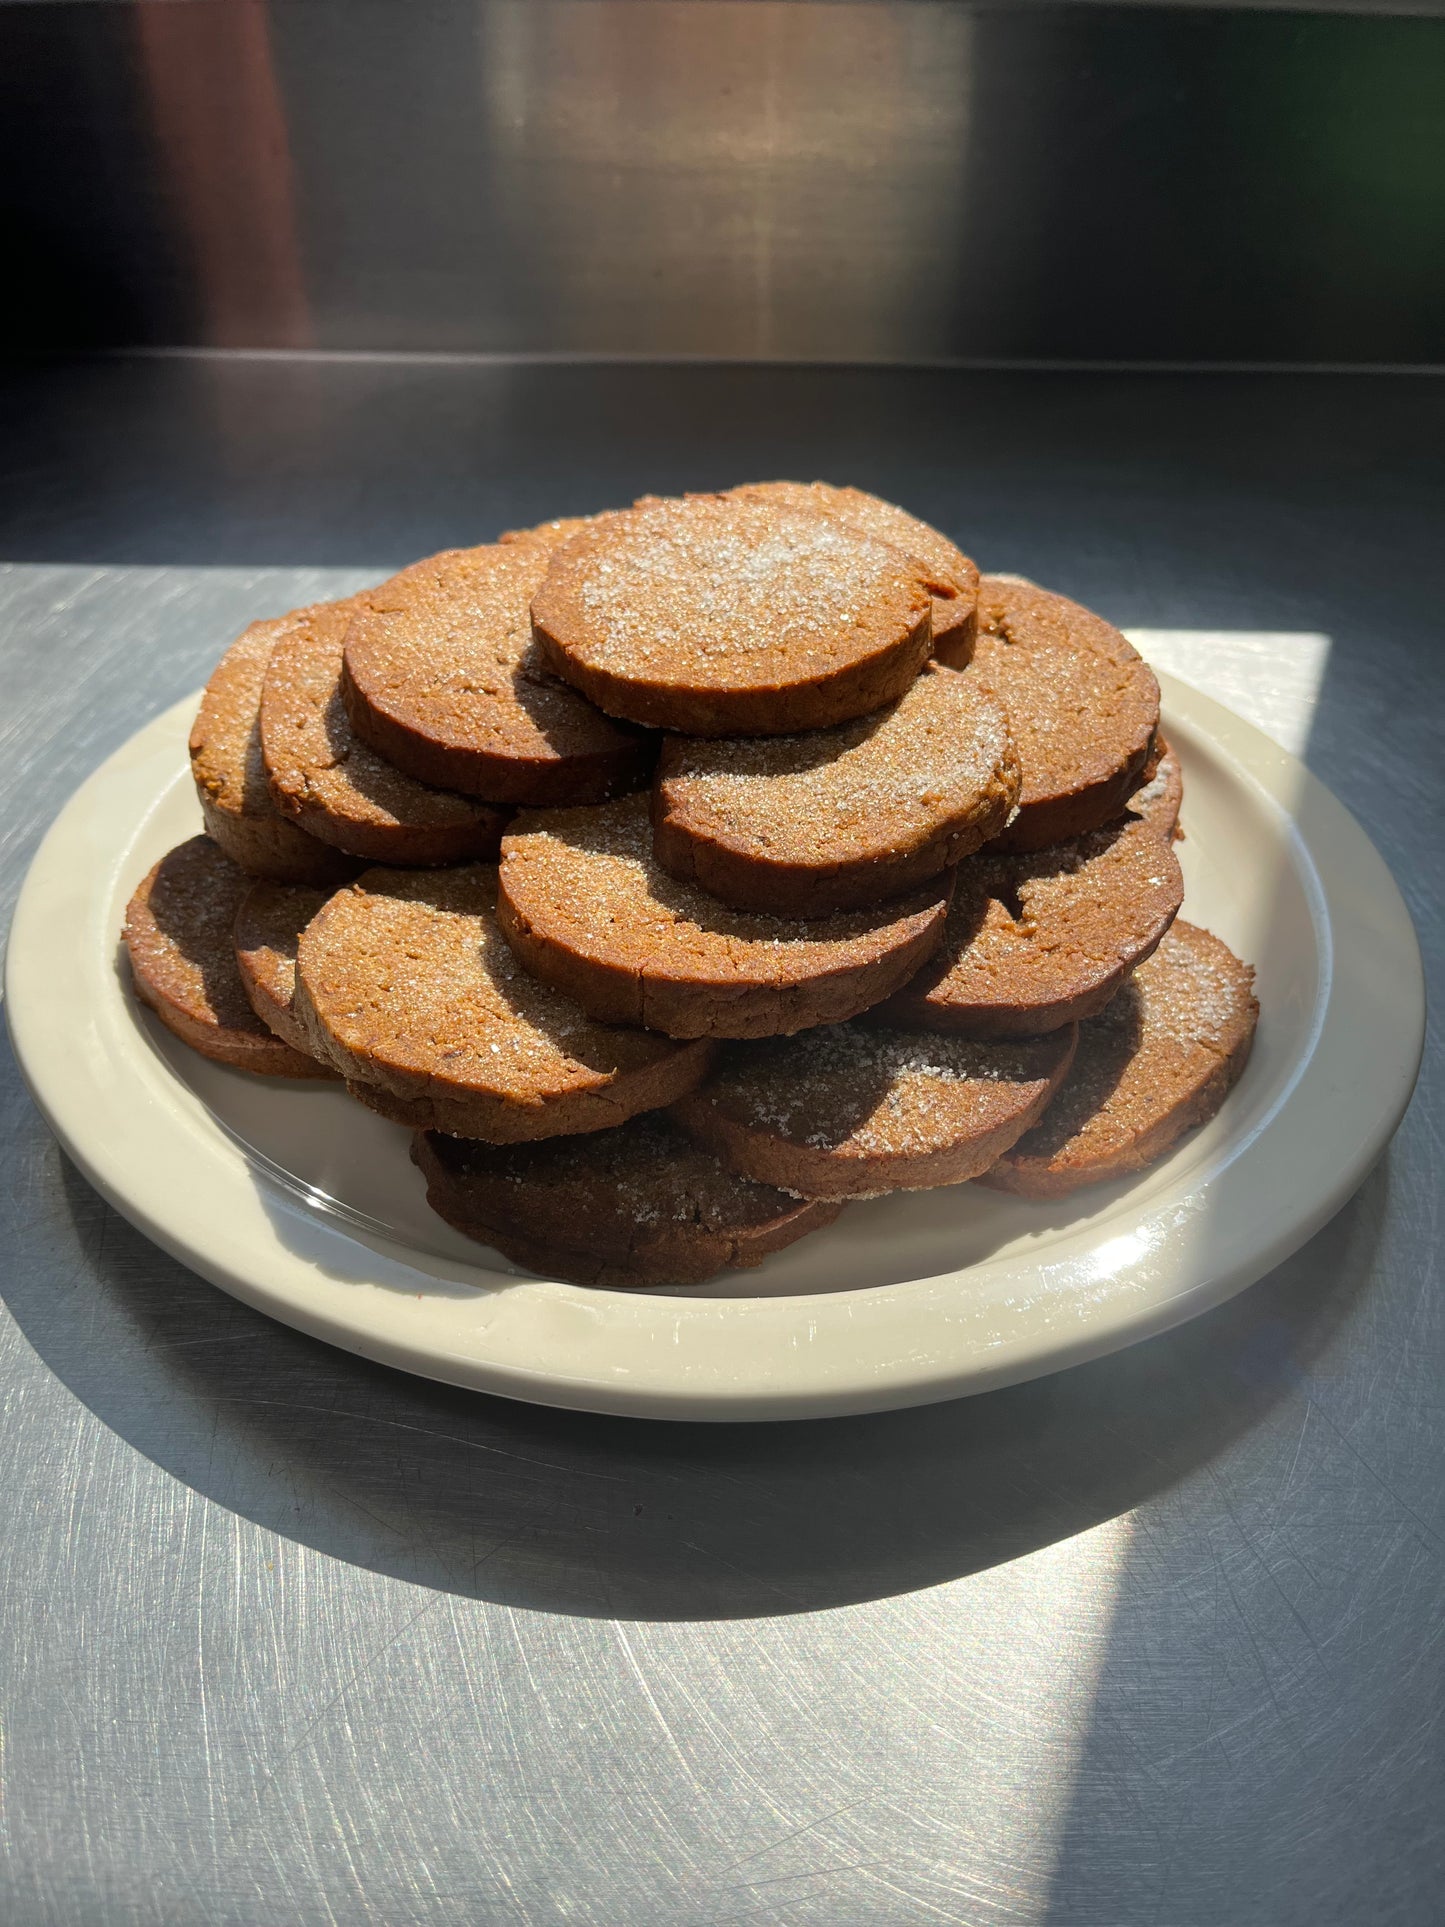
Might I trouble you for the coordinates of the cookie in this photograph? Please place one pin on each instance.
(849, 1110)
(1158, 801)
(1038, 941)
(839, 818)
(230, 773)
(585, 905)
(183, 963)
(951, 577)
(551, 535)
(640, 1205)
(1156, 1062)
(267, 935)
(405, 985)
(444, 679)
(1083, 707)
(719, 617)
(324, 777)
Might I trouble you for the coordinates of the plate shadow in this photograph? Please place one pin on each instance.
(571, 1513)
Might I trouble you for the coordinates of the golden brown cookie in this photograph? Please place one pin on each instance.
(324, 777)
(1042, 940)
(267, 935)
(1157, 801)
(585, 905)
(551, 535)
(405, 985)
(1083, 706)
(1156, 1062)
(951, 576)
(719, 617)
(839, 818)
(444, 678)
(851, 1110)
(640, 1205)
(230, 773)
(183, 963)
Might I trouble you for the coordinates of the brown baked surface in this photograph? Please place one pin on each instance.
(183, 963)
(551, 535)
(444, 677)
(325, 778)
(586, 906)
(230, 772)
(839, 818)
(636, 1206)
(1083, 706)
(713, 616)
(1157, 1061)
(951, 576)
(1158, 801)
(850, 1110)
(405, 985)
(1046, 939)
(267, 935)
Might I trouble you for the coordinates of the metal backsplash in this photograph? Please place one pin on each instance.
(749, 178)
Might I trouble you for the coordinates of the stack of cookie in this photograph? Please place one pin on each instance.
(683, 872)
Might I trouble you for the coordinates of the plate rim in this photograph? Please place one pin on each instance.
(1340, 858)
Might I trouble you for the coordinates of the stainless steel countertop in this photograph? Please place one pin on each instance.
(1152, 1643)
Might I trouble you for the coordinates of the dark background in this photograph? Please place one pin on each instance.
(773, 179)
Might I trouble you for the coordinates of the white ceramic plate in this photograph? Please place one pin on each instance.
(297, 1200)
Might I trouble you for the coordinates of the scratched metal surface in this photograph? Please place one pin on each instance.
(1153, 1643)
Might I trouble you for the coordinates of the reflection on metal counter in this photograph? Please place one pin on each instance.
(739, 178)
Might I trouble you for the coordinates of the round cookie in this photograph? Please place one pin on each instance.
(586, 906)
(849, 1110)
(183, 963)
(1038, 941)
(719, 617)
(951, 576)
(836, 819)
(1156, 1062)
(1158, 801)
(325, 778)
(405, 985)
(1083, 706)
(267, 935)
(230, 772)
(645, 1205)
(444, 678)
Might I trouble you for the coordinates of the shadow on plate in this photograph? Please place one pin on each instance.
(564, 1512)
